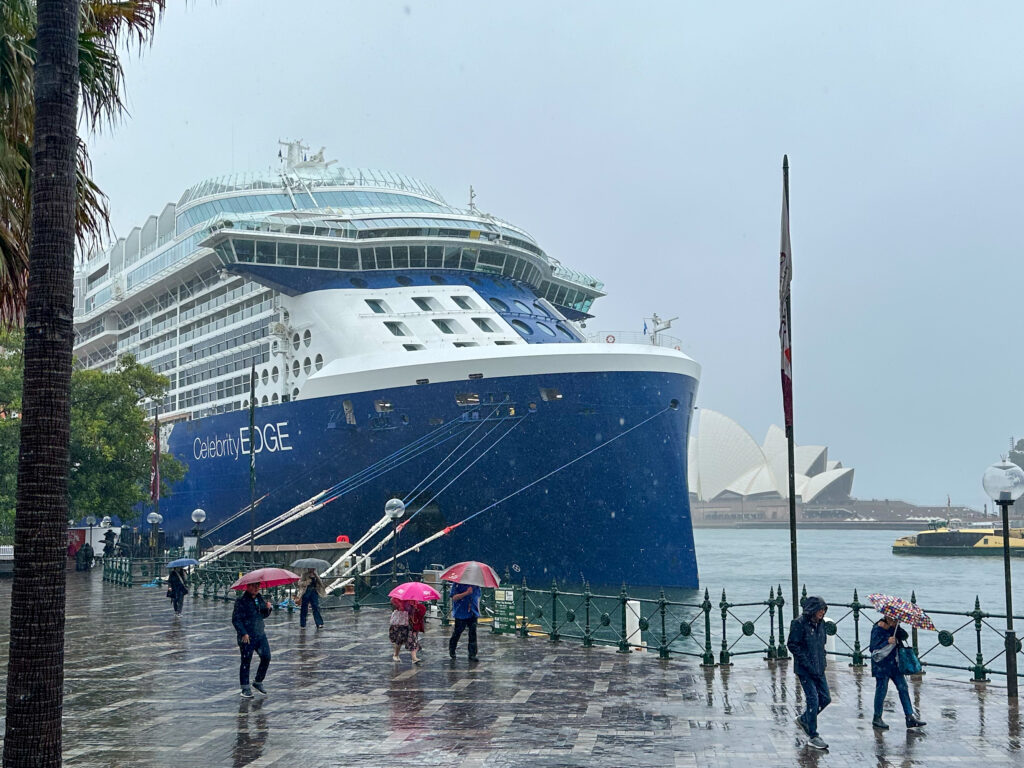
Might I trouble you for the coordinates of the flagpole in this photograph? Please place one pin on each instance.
(252, 464)
(786, 339)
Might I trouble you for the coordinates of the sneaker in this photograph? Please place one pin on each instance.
(913, 722)
(417, 661)
(395, 658)
(473, 658)
(879, 723)
(259, 687)
(803, 726)
(818, 743)
(451, 655)
(319, 626)
(246, 693)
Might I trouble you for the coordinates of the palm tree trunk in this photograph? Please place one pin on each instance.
(35, 672)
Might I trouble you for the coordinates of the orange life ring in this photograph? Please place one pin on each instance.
(609, 339)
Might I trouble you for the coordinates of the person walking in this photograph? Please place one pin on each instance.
(310, 590)
(886, 639)
(247, 618)
(398, 627)
(177, 588)
(465, 611)
(417, 625)
(807, 645)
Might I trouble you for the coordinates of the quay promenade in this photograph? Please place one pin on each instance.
(146, 689)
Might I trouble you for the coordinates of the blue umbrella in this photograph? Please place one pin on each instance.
(182, 562)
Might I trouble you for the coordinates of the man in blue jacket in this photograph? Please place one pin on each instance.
(886, 637)
(807, 645)
(465, 611)
(247, 618)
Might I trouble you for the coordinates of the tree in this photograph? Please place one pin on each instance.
(49, 185)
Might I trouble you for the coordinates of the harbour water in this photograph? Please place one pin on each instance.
(832, 563)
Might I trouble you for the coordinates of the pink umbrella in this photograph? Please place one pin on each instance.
(472, 572)
(266, 577)
(415, 590)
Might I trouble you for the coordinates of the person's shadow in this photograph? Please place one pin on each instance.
(251, 735)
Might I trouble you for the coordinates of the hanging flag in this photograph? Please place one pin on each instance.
(645, 326)
(785, 277)
(154, 470)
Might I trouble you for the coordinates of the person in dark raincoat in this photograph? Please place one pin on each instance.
(177, 588)
(310, 590)
(886, 638)
(807, 645)
(247, 618)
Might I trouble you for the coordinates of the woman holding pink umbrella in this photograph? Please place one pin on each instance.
(410, 596)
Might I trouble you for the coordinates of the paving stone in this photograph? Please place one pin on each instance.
(147, 689)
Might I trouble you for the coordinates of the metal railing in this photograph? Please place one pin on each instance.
(632, 337)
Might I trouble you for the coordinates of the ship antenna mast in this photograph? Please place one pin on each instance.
(472, 199)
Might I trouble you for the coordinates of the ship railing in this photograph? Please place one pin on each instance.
(632, 337)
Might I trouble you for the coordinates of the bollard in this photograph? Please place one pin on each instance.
(663, 646)
(772, 652)
(624, 633)
(553, 634)
(723, 656)
(709, 655)
(780, 602)
(979, 660)
(858, 655)
(803, 596)
(913, 633)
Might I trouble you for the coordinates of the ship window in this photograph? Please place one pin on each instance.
(358, 282)
(467, 398)
(295, 393)
(565, 332)
(413, 347)
(264, 377)
(437, 279)
(266, 252)
(397, 329)
(532, 407)
(434, 253)
(244, 250)
(274, 374)
(522, 307)
(485, 325)
(307, 256)
(376, 305)
(546, 329)
(447, 326)
(499, 305)
(349, 258)
(400, 255)
(451, 257)
(295, 341)
(319, 362)
(328, 257)
(350, 413)
(383, 256)
(383, 406)
(503, 343)
(295, 368)
(264, 400)
(307, 366)
(403, 280)
(540, 308)
(287, 254)
(463, 302)
(522, 327)
(466, 344)
(426, 303)
(274, 398)
(547, 394)
(417, 256)
(307, 337)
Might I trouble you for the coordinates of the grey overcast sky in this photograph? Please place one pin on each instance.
(642, 143)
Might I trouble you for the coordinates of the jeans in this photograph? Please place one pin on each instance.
(262, 647)
(461, 624)
(177, 600)
(311, 601)
(817, 696)
(882, 687)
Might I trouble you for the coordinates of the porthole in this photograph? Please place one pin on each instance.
(358, 282)
(437, 279)
(319, 362)
(275, 374)
(522, 307)
(295, 393)
(264, 400)
(403, 280)
(273, 398)
(307, 365)
(264, 377)
(539, 308)
(475, 281)
(546, 329)
(498, 304)
(295, 341)
(296, 368)
(307, 337)
(522, 327)
(565, 332)
(245, 403)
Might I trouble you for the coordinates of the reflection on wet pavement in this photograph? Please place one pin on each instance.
(146, 689)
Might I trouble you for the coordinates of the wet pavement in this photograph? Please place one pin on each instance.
(144, 688)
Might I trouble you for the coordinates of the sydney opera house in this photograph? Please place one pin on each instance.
(732, 476)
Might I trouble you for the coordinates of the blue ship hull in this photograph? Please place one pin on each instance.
(617, 515)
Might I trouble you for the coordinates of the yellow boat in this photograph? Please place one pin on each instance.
(952, 538)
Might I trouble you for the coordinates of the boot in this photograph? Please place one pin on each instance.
(878, 723)
(913, 722)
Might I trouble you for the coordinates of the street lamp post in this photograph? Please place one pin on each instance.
(154, 519)
(91, 521)
(1004, 483)
(394, 509)
(198, 516)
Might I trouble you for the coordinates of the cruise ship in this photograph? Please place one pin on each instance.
(402, 348)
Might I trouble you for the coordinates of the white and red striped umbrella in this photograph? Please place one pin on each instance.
(472, 572)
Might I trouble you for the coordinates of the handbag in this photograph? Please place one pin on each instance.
(907, 661)
(882, 653)
(169, 592)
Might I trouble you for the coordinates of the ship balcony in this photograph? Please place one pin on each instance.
(631, 337)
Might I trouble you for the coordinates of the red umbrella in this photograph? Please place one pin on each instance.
(472, 572)
(266, 577)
